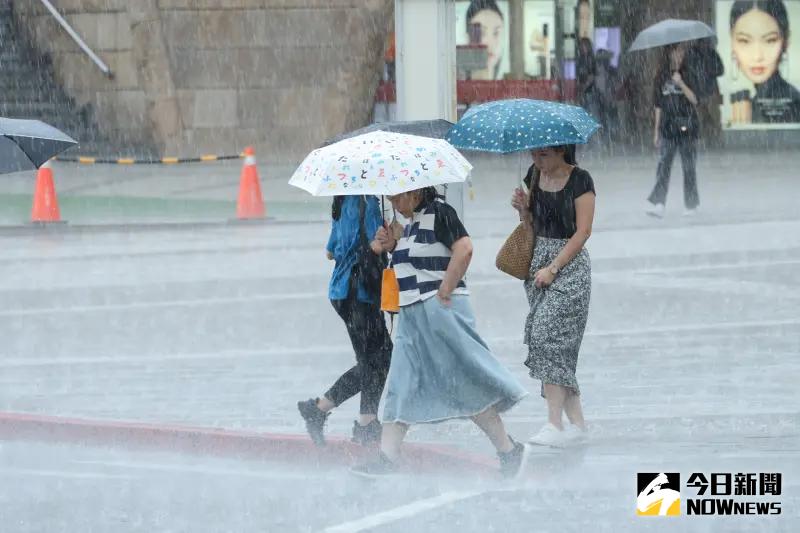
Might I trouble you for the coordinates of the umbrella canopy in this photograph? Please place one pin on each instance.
(27, 144)
(506, 126)
(671, 31)
(435, 129)
(380, 163)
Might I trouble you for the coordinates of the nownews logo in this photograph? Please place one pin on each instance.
(720, 494)
(659, 494)
(740, 484)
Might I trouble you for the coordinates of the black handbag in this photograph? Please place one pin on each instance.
(369, 265)
(682, 126)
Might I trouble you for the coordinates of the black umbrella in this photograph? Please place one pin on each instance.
(435, 129)
(27, 144)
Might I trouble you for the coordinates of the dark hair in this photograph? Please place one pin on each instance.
(773, 8)
(569, 157)
(665, 62)
(479, 5)
(336, 207)
(569, 153)
(475, 7)
(428, 194)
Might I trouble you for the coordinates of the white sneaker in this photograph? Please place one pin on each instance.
(550, 435)
(655, 210)
(575, 435)
(690, 212)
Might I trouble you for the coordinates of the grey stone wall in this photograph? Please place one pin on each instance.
(213, 76)
(118, 104)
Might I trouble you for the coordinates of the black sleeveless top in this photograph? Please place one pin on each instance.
(554, 212)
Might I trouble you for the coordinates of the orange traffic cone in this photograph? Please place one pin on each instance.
(250, 204)
(45, 202)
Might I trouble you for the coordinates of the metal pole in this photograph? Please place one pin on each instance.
(516, 26)
(77, 38)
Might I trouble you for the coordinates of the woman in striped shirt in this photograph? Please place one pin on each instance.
(441, 368)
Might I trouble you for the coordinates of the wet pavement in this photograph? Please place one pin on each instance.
(689, 364)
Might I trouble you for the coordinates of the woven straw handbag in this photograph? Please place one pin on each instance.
(515, 256)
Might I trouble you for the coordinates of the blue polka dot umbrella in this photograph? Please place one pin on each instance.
(506, 126)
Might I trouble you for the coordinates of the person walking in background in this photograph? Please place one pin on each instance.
(389, 57)
(559, 212)
(706, 65)
(606, 86)
(441, 368)
(585, 70)
(358, 304)
(584, 16)
(677, 128)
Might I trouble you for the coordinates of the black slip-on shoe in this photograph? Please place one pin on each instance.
(315, 420)
(380, 467)
(513, 462)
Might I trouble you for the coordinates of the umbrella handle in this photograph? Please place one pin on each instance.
(519, 174)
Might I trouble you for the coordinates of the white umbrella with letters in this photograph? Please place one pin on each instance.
(380, 163)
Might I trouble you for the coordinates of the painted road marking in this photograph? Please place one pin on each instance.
(404, 511)
(622, 276)
(159, 358)
(345, 349)
(62, 474)
(192, 302)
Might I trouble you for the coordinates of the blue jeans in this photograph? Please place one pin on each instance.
(688, 150)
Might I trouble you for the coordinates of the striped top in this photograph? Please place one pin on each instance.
(423, 253)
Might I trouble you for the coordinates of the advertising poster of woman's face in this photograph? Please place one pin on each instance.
(758, 44)
(762, 70)
(485, 22)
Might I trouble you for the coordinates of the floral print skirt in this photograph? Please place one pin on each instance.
(558, 313)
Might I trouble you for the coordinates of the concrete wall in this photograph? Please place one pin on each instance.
(212, 76)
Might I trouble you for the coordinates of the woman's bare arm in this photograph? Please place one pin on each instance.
(459, 262)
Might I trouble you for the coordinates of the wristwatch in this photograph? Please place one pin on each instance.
(553, 270)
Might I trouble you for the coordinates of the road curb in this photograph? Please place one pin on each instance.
(422, 458)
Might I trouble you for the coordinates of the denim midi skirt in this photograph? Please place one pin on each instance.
(441, 368)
